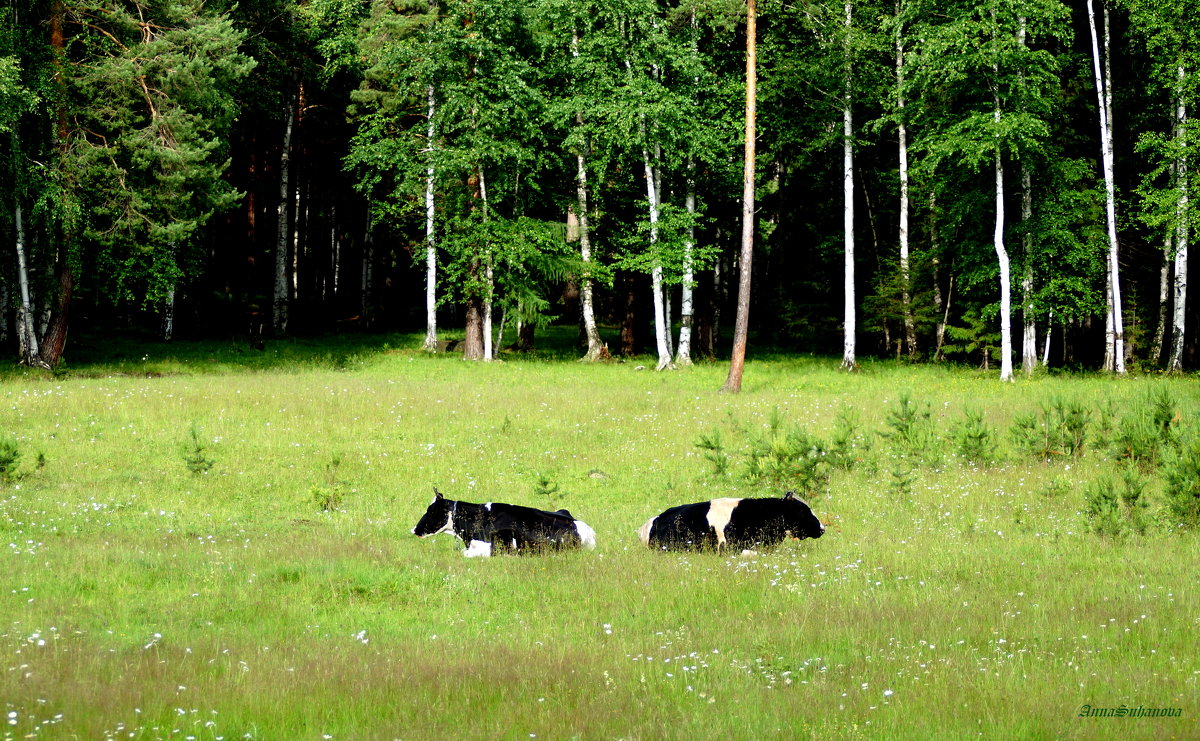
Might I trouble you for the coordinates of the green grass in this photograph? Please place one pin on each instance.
(140, 599)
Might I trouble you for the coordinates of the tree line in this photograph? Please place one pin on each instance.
(1002, 182)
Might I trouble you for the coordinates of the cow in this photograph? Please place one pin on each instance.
(486, 528)
(731, 523)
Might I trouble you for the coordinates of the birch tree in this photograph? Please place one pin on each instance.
(1171, 41)
(997, 89)
(1102, 76)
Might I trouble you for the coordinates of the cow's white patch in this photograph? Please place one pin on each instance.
(587, 536)
(719, 512)
(644, 530)
(478, 548)
(488, 506)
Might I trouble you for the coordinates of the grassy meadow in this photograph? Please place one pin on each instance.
(209, 542)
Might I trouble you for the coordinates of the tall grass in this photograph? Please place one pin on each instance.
(140, 599)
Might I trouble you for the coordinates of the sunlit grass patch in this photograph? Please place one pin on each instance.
(139, 597)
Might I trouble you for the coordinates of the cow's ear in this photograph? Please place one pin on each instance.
(791, 495)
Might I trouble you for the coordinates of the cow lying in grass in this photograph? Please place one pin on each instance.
(732, 523)
(485, 528)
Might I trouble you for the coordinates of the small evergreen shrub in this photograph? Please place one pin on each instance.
(1059, 430)
(849, 446)
(1115, 509)
(193, 455)
(1181, 478)
(910, 431)
(974, 440)
(331, 495)
(10, 457)
(780, 457)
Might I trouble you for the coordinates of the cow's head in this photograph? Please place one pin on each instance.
(438, 517)
(801, 522)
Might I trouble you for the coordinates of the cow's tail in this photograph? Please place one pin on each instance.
(587, 536)
(644, 530)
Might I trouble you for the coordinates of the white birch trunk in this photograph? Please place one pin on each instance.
(590, 330)
(656, 271)
(26, 336)
(849, 362)
(1029, 354)
(910, 330)
(1116, 343)
(1049, 328)
(168, 316)
(594, 345)
(1175, 364)
(683, 352)
(488, 277)
(1029, 324)
(279, 313)
(1006, 365)
(430, 236)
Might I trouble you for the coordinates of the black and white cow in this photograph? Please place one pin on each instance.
(732, 523)
(485, 528)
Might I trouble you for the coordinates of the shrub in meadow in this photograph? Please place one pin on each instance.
(1059, 430)
(1117, 508)
(1181, 476)
(974, 440)
(330, 495)
(782, 456)
(849, 445)
(193, 454)
(10, 456)
(910, 431)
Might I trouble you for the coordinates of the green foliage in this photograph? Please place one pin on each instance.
(1059, 430)
(1115, 509)
(330, 495)
(974, 440)
(910, 431)
(1181, 475)
(545, 486)
(979, 336)
(849, 445)
(194, 454)
(779, 457)
(10, 457)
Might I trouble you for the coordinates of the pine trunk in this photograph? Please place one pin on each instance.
(741, 328)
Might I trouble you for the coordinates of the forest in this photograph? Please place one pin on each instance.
(1004, 183)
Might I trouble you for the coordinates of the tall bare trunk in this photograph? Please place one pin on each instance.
(1178, 334)
(1006, 366)
(1115, 342)
(849, 362)
(279, 313)
(1029, 354)
(683, 353)
(741, 329)
(430, 235)
(594, 345)
(910, 328)
(27, 339)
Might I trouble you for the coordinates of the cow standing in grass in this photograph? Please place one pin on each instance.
(486, 528)
(732, 522)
